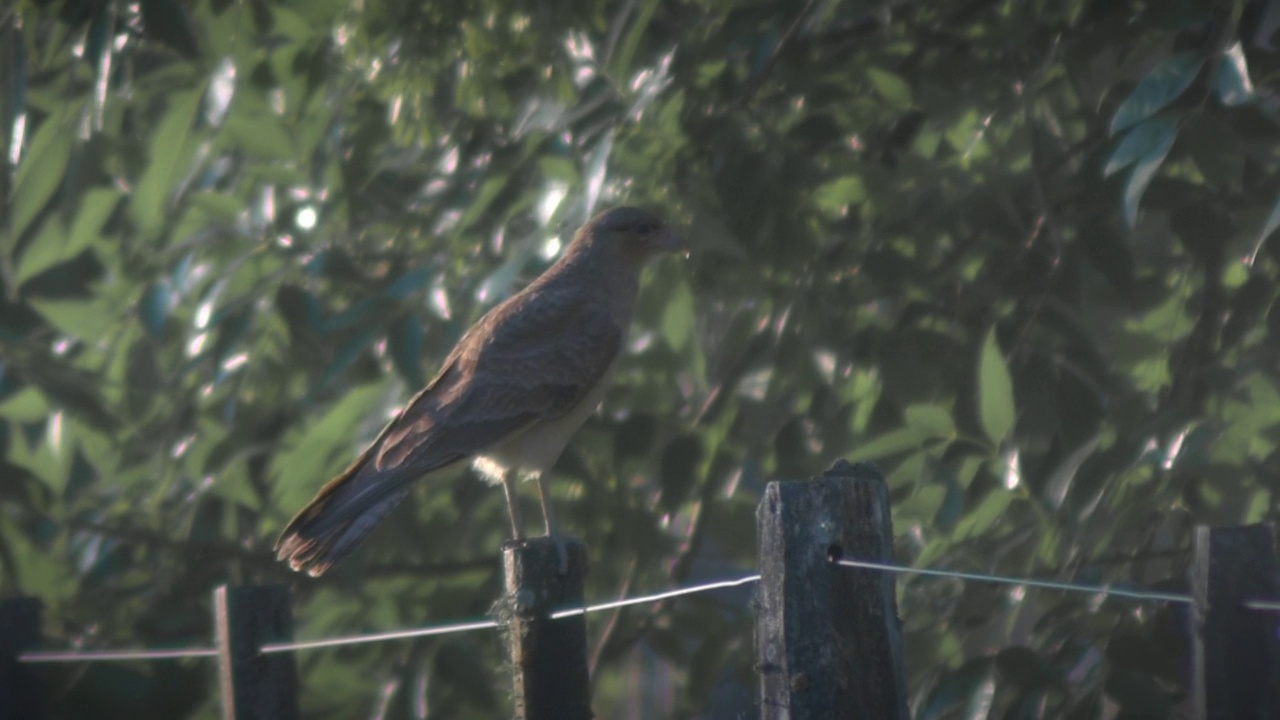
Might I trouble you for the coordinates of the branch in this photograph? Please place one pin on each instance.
(754, 84)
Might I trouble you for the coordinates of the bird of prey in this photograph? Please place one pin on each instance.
(518, 384)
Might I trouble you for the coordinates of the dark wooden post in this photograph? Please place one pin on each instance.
(255, 686)
(548, 657)
(21, 696)
(1236, 650)
(828, 640)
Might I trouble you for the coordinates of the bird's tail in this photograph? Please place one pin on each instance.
(345, 510)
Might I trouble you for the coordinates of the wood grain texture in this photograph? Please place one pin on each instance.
(548, 657)
(828, 638)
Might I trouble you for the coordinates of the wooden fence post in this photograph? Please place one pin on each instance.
(548, 657)
(255, 686)
(828, 640)
(21, 695)
(1236, 650)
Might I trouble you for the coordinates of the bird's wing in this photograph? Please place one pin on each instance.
(531, 359)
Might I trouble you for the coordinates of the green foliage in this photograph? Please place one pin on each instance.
(1163, 84)
(1020, 254)
(995, 391)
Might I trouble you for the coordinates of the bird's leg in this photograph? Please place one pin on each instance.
(513, 503)
(549, 517)
(548, 514)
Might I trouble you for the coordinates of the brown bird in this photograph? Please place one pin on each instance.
(519, 383)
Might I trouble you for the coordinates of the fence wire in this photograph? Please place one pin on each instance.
(459, 627)
(107, 655)
(1029, 582)
(379, 637)
(483, 624)
(116, 655)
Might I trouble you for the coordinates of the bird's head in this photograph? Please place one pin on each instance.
(637, 233)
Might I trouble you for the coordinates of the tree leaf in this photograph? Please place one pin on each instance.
(835, 196)
(480, 202)
(346, 356)
(932, 420)
(1166, 81)
(1233, 85)
(1141, 141)
(261, 134)
(678, 316)
(321, 446)
(623, 60)
(26, 405)
(981, 518)
(408, 283)
(597, 168)
(168, 151)
(995, 391)
(891, 87)
(40, 171)
(84, 319)
(154, 307)
(1059, 481)
(1268, 226)
(61, 244)
(1143, 171)
(922, 506)
(956, 688)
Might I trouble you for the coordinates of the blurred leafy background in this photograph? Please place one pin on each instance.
(1016, 251)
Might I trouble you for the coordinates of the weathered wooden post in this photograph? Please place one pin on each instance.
(1236, 649)
(255, 686)
(548, 657)
(21, 696)
(828, 639)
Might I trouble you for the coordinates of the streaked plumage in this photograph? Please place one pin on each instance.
(518, 384)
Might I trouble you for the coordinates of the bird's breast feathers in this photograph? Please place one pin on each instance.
(535, 449)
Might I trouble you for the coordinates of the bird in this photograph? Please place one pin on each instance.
(507, 398)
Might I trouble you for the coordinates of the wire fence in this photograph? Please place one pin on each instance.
(450, 628)
(485, 624)
(1126, 592)
(116, 655)
(1110, 590)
